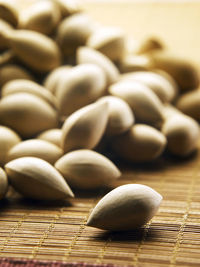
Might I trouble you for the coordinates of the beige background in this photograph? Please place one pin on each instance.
(177, 23)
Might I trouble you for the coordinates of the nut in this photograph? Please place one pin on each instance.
(125, 208)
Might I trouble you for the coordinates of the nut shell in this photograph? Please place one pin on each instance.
(86, 169)
(26, 86)
(85, 127)
(35, 148)
(120, 115)
(182, 133)
(27, 114)
(53, 136)
(37, 179)
(11, 72)
(183, 72)
(42, 16)
(73, 32)
(35, 49)
(189, 103)
(127, 207)
(109, 41)
(142, 143)
(83, 85)
(145, 104)
(161, 86)
(89, 55)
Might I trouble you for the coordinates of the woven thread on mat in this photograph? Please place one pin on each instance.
(9, 262)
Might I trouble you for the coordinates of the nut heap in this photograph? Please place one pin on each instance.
(70, 86)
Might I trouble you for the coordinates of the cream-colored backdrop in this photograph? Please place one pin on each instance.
(176, 22)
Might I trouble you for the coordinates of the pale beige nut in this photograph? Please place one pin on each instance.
(182, 133)
(26, 86)
(41, 16)
(81, 86)
(74, 32)
(11, 72)
(8, 139)
(170, 111)
(160, 85)
(53, 136)
(3, 183)
(85, 127)
(34, 49)
(142, 143)
(37, 179)
(53, 79)
(31, 87)
(145, 104)
(4, 27)
(35, 148)
(120, 115)
(86, 169)
(89, 55)
(27, 114)
(68, 7)
(9, 11)
(183, 71)
(131, 63)
(189, 103)
(126, 207)
(109, 41)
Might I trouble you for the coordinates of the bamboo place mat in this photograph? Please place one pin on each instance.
(54, 234)
(57, 231)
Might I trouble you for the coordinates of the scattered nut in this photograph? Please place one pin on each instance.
(125, 208)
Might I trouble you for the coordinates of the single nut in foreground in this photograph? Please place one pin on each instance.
(8, 139)
(127, 207)
(85, 127)
(35, 148)
(109, 41)
(189, 103)
(142, 143)
(27, 86)
(89, 55)
(11, 72)
(183, 72)
(53, 136)
(182, 133)
(81, 86)
(27, 114)
(41, 16)
(86, 169)
(34, 49)
(144, 103)
(3, 183)
(37, 179)
(161, 86)
(120, 115)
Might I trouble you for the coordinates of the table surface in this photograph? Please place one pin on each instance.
(57, 231)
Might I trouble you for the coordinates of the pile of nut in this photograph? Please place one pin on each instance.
(70, 86)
